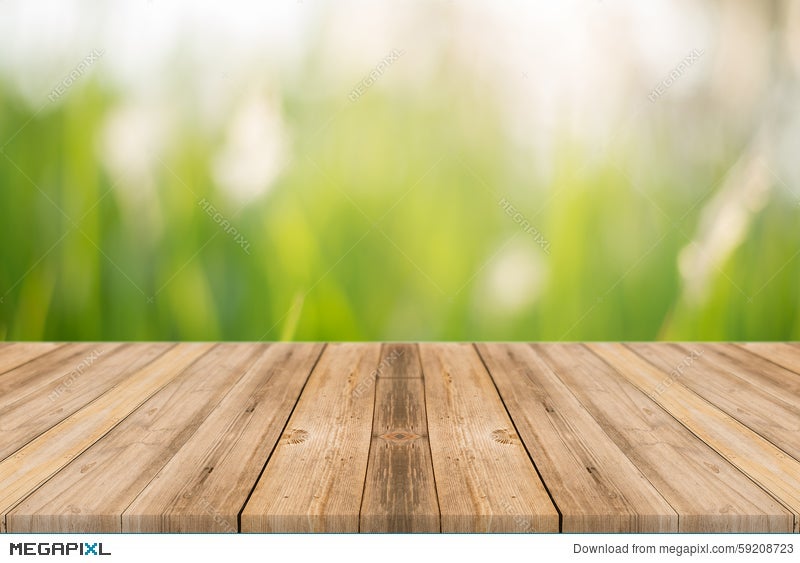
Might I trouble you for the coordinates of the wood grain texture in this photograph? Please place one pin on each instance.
(27, 417)
(400, 492)
(485, 479)
(50, 373)
(751, 397)
(593, 483)
(49, 452)
(780, 353)
(766, 464)
(707, 492)
(399, 437)
(314, 480)
(92, 492)
(780, 382)
(205, 485)
(399, 360)
(13, 355)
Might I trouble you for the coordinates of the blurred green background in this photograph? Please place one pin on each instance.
(399, 171)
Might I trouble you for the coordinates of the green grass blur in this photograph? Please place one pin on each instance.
(384, 224)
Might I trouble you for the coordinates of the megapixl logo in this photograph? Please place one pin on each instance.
(44, 548)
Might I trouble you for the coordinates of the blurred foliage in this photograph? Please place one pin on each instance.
(384, 224)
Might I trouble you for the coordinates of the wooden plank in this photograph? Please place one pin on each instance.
(30, 415)
(91, 493)
(734, 389)
(782, 384)
(399, 437)
(399, 360)
(400, 493)
(13, 355)
(781, 353)
(593, 483)
(766, 464)
(314, 480)
(51, 372)
(708, 493)
(484, 477)
(205, 485)
(41, 458)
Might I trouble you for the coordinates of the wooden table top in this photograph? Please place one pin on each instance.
(399, 437)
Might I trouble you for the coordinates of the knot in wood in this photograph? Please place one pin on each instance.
(295, 436)
(400, 436)
(504, 436)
